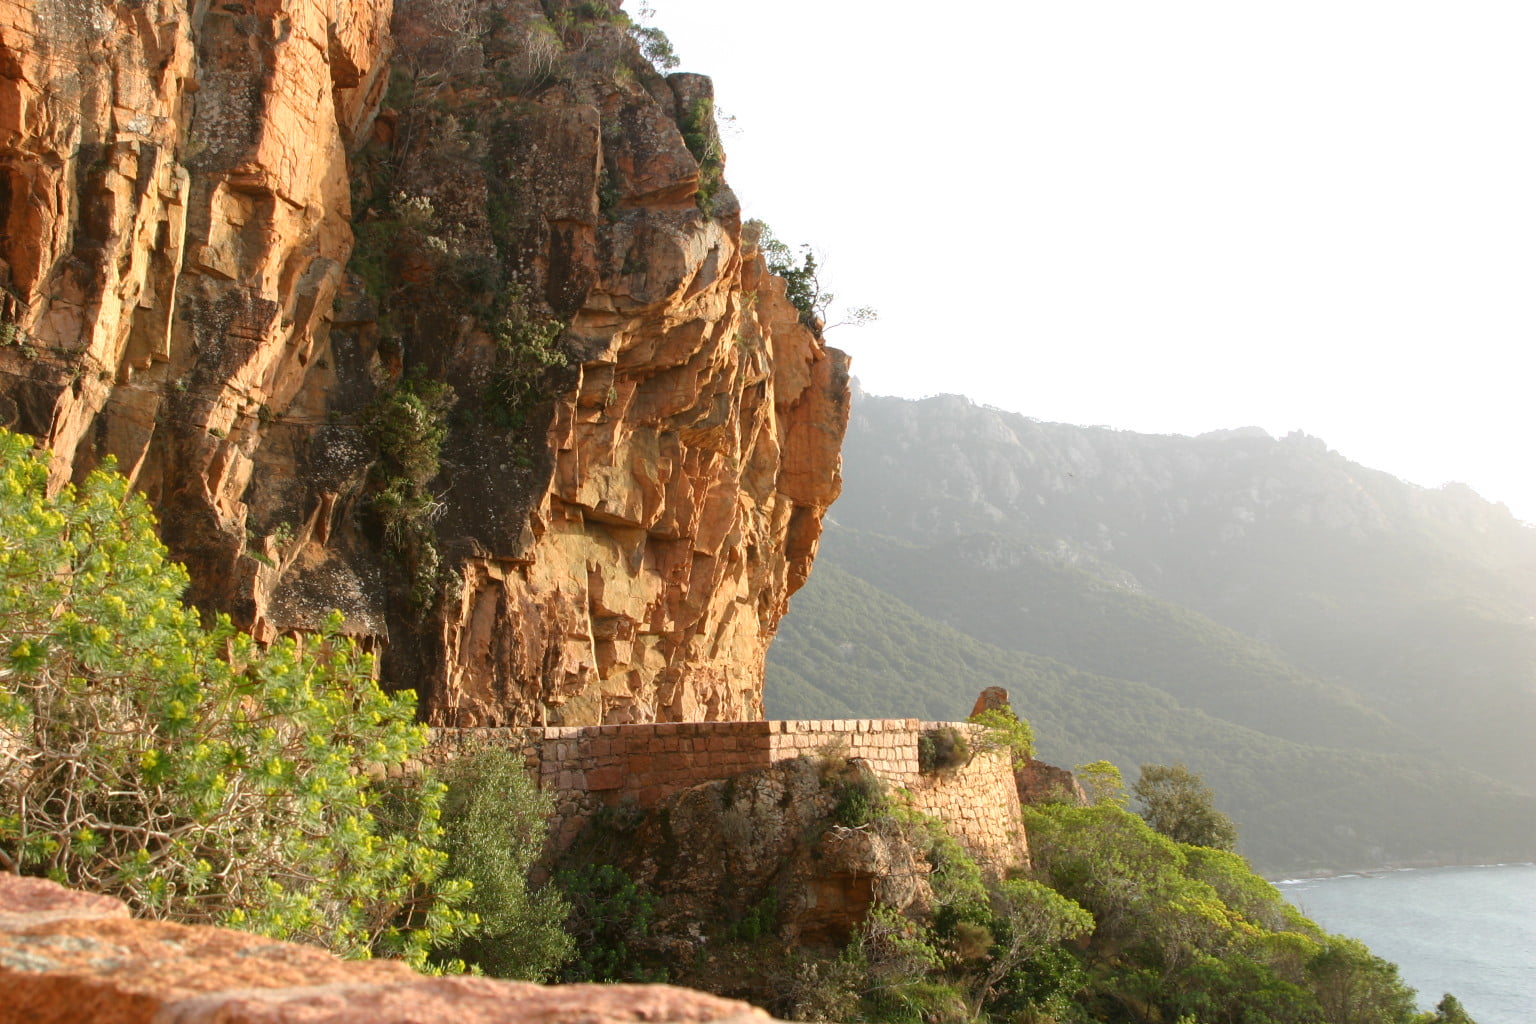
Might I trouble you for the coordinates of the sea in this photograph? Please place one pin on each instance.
(1470, 931)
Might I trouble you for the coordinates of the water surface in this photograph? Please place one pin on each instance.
(1468, 931)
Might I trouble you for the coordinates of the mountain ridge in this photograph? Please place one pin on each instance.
(1269, 584)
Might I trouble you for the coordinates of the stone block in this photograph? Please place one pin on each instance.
(601, 779)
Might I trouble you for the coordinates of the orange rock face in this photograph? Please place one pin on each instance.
(228, 239)
(68, 956)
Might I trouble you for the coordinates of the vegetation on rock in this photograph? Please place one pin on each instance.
(703, 140)
(1115, 922)
(494, 828)
(185, 769)
(408, 424)
(942, 749)
(1004, 730)
(802, 279)
(1183, 931)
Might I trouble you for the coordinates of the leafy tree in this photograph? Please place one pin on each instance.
(609, 915)
(1356, 987)
(495, 823)
(1029, 918)
(1449, 1011)
(653, 42)
(1110, 862)
(1103, 783)
(187, 770)
(1179, 805)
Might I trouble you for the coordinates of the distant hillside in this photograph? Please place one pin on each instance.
(1346, 656)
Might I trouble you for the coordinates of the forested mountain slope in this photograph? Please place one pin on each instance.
(1347, 657)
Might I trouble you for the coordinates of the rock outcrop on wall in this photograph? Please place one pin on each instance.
(790, 853)
(447, 321)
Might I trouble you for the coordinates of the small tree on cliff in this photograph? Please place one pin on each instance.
(1005, 731)
(802, 280)
(187, 770)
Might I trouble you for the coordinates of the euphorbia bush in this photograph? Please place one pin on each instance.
(193, 773)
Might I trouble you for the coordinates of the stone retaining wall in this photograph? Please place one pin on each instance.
(585, 767)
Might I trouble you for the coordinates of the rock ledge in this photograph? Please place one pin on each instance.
(72, 956)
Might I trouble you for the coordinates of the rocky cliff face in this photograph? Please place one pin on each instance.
(443, 317)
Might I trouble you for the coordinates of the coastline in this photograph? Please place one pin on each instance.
(1291, 878)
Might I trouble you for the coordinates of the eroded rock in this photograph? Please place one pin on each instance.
(69, 956)
(181, 197)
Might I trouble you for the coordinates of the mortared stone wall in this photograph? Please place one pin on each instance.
(586, 767)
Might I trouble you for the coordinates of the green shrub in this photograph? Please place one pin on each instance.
(609, 914)
(942, 750)
(828, 988)
(959, 891)
(860, 798)
(702, 138)
(1006, 731)
(526, 346)
(194, 774)
(495, 823)
(902, 968)
(408, 424)
(372, 248)
(597, 10)
(762, 919)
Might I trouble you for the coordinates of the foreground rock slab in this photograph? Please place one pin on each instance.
(73, 956)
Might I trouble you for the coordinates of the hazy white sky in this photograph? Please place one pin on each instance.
(1167, 216)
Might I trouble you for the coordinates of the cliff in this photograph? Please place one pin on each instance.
(442, 316)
